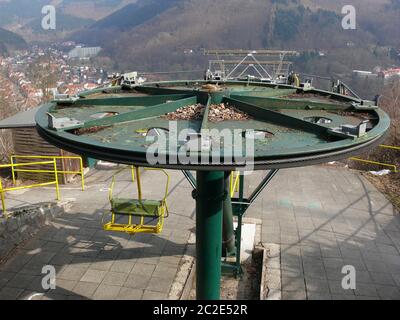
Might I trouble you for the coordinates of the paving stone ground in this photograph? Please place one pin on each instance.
(322, 218)
(327, 218)
(95, 264)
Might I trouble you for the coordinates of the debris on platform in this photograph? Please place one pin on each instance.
(223, 112)
(218, 112)
(359, 115)
(211, 87)
(310, 96)
(192, 112)
(95, 129)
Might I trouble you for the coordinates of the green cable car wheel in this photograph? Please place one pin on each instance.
(269, 126)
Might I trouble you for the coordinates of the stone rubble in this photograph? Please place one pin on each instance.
(224, 112)
(218, 112)
(193, 112)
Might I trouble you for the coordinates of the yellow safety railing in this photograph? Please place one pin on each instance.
(18, 165)
(389, 147)
(388, 165)
(55, 158)
(234, 183)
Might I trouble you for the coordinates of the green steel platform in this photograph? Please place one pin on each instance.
(291, 127)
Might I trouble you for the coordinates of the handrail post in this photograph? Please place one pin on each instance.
(237, 181)
(3, 202)
(232, 181)
(56, 177)
(167, 185)
(12, 169)
(133, 173)
(82, 174)
(139, 185)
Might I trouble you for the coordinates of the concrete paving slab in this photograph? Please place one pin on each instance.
(329, 218)
(341, 219)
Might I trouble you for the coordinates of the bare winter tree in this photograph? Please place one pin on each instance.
(391, 104)
(5, 135)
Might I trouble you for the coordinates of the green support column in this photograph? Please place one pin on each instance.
(228, 233)
(209, 203)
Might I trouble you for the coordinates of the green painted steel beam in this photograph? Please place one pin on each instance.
(257, 191)
(148, 112)
(209, 198)
(241, 187)
(281, 103)
(100, 90)
(261, 113)
(132, 101)
(265, 93)
(240, 207)
(204, 123)
(161, 90)
(190, 178)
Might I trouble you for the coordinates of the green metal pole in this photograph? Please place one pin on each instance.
(239, 228)
(228, 234)
(209, 202)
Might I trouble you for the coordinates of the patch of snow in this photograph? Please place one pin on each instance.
(105, 165)
(380, 173)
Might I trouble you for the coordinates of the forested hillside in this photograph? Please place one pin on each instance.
(9, 41)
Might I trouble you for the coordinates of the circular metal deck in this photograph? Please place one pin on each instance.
(291, 126)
